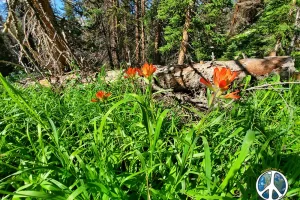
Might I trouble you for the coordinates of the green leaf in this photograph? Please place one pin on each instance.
(17, 97)
(103, 121)
(207, 162)
(158, 129)
(77, 192)
(248, 140)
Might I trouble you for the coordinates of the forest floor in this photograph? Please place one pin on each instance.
(57, 144)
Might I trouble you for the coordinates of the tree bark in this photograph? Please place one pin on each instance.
(46, 16)
(297, 26)
(137, 32)
(143, 31)
(186, 77)
(108, 47)
(126, 37)
(157, 42)
(49, 49)
(114, 34)
(185, 36)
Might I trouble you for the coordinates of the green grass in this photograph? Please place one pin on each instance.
(62, 146)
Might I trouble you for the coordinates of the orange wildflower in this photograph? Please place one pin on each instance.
(94, 100)
(101, 95)
(147, 70)
(131, 72)
(222, 79)
(206, 83)
(232, 95)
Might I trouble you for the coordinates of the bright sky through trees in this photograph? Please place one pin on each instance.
(58, 6)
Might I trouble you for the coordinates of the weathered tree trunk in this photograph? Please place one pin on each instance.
(114, 34)
(183, 80)
(295, 38)
(143, 31)
(45, 13)
(185, 36)
(126, 38)
(157, 42)
(186, 77)
(137, 32)
(49, 49)
(108, 47)
(276, 48)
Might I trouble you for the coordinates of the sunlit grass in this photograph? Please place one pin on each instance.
(60, 145)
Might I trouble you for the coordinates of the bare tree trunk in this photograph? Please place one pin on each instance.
(108, 48)
(137, 32)
(157, 42)
(143, 30)
(297, 26)
(49, 49)
(185, 36)
(46, 15)
(126, 38)
(114, 35)
(186, 77)
(276, 48)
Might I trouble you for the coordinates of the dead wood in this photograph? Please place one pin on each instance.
(186, 77)
(181, 82)
(41, 43)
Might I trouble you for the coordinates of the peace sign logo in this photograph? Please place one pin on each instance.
(271, 185)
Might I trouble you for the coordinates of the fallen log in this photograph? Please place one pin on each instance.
(186, 77)
(182, 81)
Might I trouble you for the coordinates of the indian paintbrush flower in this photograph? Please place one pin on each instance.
(131, 72)
(222, 79)
(101, 96)
(147, 70)
(232, 95)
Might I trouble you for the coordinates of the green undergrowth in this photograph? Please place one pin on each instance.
(59, 145)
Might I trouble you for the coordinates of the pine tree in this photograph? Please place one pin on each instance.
(272, 32)
(211, 25)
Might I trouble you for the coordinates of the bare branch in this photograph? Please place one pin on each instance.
(263, 87)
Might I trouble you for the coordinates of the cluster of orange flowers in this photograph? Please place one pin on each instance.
(222, 79)
(101, 96)
(146, 71)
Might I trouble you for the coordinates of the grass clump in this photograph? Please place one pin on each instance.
(63, 146)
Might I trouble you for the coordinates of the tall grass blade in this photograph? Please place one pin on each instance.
(248, 140)
(103, 121)
(41, 143)
(16, 96)
(207, 162)
(35, 194)
(77, 192)
(55, 133)
(237, 131)
(158, 129)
